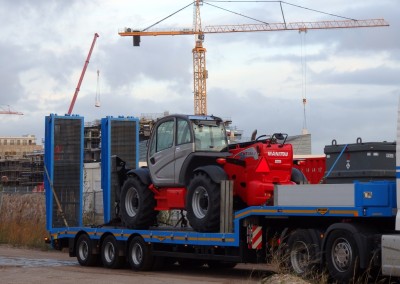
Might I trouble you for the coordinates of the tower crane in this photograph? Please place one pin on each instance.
(9, 111)
(199, 59)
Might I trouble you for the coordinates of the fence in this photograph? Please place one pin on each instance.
(92, 202)
(93, 208)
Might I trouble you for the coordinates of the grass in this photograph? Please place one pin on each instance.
(22, 220)
(279, 259)
(23, 233)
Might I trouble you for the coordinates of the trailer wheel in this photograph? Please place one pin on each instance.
(342, 256)
(110, 253)
(203, 204)
(137, 204)
(303, 252)
(84, 251)
(140, 257)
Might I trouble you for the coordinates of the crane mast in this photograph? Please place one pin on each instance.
(71, 107)
(199, 65)
(200, 73)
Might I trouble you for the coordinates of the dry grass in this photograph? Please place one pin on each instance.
(22, 219)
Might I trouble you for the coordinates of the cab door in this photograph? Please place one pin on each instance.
(161, 153)
(184, 145)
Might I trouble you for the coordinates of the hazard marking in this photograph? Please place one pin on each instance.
(256, 240)
(263, 167)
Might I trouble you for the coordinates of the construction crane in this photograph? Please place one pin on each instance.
(200, 73)
(71, 107)
(9, 111)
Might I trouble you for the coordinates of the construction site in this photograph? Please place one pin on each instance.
(225, 163)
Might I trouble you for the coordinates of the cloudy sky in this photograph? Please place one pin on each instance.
(256, 79)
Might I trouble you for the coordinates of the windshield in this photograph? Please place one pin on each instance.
(209, 136)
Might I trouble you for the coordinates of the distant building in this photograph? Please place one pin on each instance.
(92, 137)
(16, 147)
(21, 161)
(301, 144)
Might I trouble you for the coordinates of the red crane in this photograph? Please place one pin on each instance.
(9, 111)
(82, 74)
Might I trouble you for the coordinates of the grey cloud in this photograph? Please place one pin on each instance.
(157, 58)
(381, 75)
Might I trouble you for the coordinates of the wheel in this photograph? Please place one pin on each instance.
(137, 204)
(84, 251)
(139, 255)
(342, 256)
(303, 252)
(298, 177)
(110, 253)
(203, 204)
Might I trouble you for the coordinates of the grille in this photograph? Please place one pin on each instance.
(67, 171)
(119, 139)
(123, 141)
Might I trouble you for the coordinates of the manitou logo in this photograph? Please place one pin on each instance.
(248, 153)
(278, 154)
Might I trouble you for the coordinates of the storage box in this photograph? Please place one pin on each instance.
(360, 162)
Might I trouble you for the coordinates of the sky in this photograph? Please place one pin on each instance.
(350, 77)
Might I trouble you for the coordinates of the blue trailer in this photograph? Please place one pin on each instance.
(346, 228)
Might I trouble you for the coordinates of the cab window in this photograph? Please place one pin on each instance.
(165, 135)
(183, 132)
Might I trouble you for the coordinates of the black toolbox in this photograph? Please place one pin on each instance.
(346, 163)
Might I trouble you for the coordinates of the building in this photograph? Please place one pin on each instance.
(13, 147)
(301, 144)
(92, 137)
(25, 172)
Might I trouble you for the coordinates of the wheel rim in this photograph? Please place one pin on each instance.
(83, 250)
(300, 257)
(200, 202)
(132, 202)
(109, 252)
(137, 254)
(342, 254)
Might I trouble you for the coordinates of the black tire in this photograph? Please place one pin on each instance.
(84, 251)
(303, 253)
(110, 253)
(137, 205)
(203, 204)
(342, 256)
(139, 255)
(298, 177)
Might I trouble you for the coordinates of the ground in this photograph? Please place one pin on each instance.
(18, 265)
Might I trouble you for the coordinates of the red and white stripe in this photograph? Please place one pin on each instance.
(256, 237)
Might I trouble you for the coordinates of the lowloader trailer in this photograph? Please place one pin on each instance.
(343, 228)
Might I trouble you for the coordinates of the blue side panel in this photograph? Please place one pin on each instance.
(375, 194)
(106, 167)
(48, 168)
(155, 236)
(63, 172)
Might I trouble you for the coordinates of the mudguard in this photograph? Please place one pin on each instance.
(142, 173)
(216, 173)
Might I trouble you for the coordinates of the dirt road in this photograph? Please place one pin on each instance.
(31, 266)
